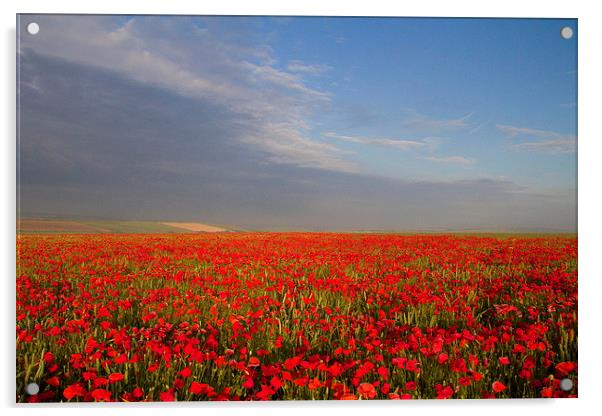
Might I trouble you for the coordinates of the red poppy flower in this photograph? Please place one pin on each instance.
(314, 384)
(476, 376)
(265, 393)
(458, 365)
(89, 375)
(413, 365)
(301, 381)
(198, 388)
(74, 390)
(547, 392)
(120, 359)
(187, 372)
(367, 391)
(464, 381)
(101, 395)
(53, 381)
(167, 396)
(291, 363)
(100, 381)
(565, 368)
(276, 383)
(518, 349)
(48, 358)
(248, 383)
(444, 392)
(498, 386)
(383, 372)
(138, 393)
(115, 377)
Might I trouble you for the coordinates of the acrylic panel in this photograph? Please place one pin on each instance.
(295, 208)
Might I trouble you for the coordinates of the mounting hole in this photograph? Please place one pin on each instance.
(566, 384)
(33, 28)
(566, 32)
(32, 389)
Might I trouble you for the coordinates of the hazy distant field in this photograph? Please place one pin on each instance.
(55, 226)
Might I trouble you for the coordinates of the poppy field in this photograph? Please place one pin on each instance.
(294, 316)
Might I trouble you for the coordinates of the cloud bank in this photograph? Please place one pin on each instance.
(183, 57)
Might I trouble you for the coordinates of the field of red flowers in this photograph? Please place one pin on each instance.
(284, 316)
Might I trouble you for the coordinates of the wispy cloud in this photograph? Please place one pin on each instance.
(310, 69)
(549, 146)
(477, 127)
(400, 144)
(460, 160)
(550, 141)
(422, 122)
(514, 131)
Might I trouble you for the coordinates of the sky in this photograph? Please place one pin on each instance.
(300, 122)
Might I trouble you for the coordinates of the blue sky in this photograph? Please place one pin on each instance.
(310, 123)
(491, 72)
